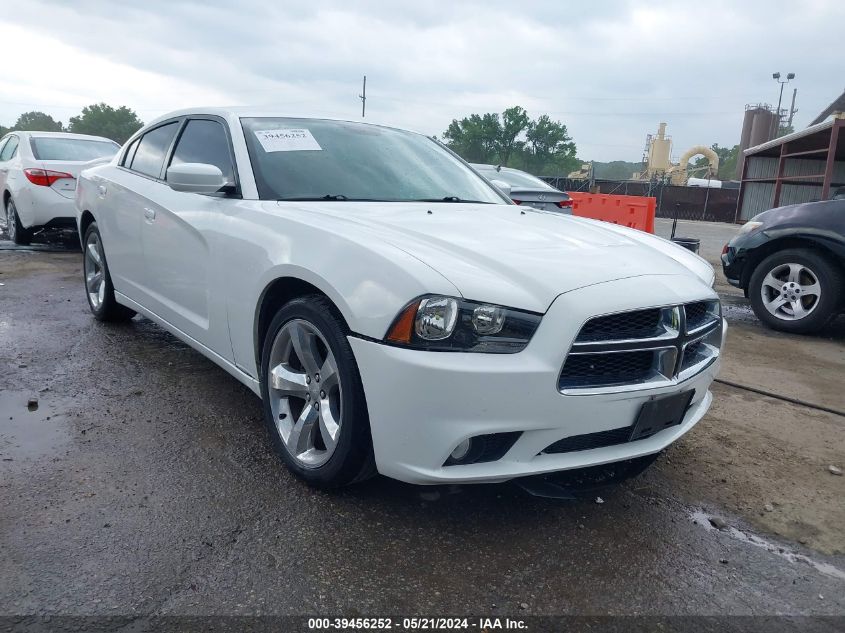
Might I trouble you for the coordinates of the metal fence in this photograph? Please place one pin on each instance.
(690, 203)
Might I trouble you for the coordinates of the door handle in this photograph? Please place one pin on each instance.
(101, 189)
(149, 214)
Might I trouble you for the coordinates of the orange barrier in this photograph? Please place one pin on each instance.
(636, 212)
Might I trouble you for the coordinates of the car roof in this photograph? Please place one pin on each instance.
(36, 134)
(260, 112)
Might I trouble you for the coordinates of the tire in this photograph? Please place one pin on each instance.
(796, 290)
(99, 290)
(328, 446)
(17, 233)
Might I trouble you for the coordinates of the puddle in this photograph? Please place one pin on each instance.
(703, 520)
(29, 428)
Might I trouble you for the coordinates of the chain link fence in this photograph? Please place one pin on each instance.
(691, 203)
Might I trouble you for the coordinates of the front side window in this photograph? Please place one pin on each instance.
(149, 157)
(72, 149)
(204, 141)
(9, 149)
(311, 159)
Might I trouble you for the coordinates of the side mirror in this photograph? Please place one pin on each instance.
(195, 178)
(504, 187)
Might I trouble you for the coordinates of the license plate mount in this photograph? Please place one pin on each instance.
(661, 413)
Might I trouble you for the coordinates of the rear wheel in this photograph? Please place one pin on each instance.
(98, 286)
(796, 290)
(313, 396)
(17, 233)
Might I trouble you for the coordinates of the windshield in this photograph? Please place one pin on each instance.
(515, 178)
(74, 149)
(295, 159)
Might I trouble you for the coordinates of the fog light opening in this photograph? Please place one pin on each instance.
(461, 450)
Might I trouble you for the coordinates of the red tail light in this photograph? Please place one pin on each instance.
(44, 177)
(517, 201)
(565, 204)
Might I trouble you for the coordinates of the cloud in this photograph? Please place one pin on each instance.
(611, 71)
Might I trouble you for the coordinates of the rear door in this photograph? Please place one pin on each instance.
(182, 232)
(8, 152)
(125, 199)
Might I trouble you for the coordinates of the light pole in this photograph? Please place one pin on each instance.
(776, 77)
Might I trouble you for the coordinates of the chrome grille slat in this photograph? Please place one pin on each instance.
(647, 348)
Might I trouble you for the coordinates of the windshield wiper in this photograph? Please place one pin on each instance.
(337, 196)
(450, 199)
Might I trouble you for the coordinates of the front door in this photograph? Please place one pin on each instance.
(179, 233)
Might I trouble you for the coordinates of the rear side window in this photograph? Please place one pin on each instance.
(205, 141)
(9, 149)
(149, 157)
(71, 149)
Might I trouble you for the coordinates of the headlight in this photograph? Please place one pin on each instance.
(447, 324)
(749, 226)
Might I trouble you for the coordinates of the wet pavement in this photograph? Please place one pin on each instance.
(144, 483)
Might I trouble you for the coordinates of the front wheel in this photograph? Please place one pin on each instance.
(313, 397)
(17, 233)
(796, 290)
(98, 286)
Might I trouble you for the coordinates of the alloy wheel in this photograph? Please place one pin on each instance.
(95, 274)
(790, 291)
(305, 393)
(11, 225)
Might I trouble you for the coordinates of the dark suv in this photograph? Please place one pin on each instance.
(790, 262)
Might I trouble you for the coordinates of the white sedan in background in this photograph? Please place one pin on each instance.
(38, 172)
(394, 310)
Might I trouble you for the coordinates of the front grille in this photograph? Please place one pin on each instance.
(625, 325)
(694, 353)
(603, 370)
(697, 314)
(646, 346)
(589, 441)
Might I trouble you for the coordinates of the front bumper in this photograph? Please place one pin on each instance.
(423, 404)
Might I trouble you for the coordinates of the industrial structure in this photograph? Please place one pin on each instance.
(657, 160)
(759, 125)
(804, 166)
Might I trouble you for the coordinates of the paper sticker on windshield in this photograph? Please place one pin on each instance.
(287, 140)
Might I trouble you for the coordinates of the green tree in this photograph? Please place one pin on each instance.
(101, 119)
(549, 149)
(37, 122)
(542, 146)
(3, 131)
(475, 137)
(515, 122)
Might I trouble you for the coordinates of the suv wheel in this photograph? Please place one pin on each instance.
(17, 233)
(313, 397)
(795, 290)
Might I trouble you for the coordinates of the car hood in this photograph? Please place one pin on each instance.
(503, 254)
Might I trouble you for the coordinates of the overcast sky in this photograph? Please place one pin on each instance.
(611, 71)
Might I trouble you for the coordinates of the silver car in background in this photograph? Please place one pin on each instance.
(38, 172)
(527, 189)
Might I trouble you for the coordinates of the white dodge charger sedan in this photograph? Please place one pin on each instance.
(393, 309)
(38, 172)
